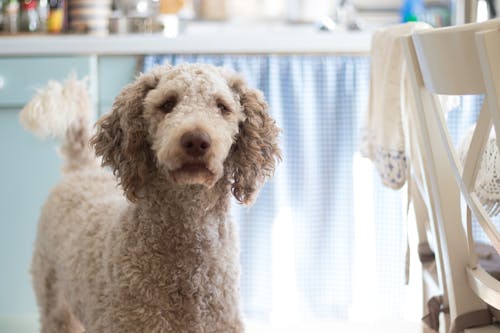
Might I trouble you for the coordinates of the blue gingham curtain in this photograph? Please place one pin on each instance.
(297, 241)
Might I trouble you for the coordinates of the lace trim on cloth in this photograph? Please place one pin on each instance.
(391, 164)
(487, 186)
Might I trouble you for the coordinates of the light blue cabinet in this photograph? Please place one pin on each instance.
(114, 73)
(22, 75)
(29, 168)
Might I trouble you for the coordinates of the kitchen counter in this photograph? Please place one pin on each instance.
(197, 37)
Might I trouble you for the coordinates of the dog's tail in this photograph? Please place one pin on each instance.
(63, 110)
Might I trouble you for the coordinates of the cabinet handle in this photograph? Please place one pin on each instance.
(2, 82)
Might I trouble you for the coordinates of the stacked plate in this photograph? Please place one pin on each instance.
(89, 16)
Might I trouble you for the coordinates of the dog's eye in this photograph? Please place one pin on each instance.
(223, 108)
(169, 105)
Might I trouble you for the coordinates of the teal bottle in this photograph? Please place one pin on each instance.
(412, 10)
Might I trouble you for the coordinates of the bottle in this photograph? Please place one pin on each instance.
(11, 14)
(170, 6)
(29, 21)
(1, 15)
(168, 16)
(412, 10)
(43, 12)
(212, 10)
(55, 19)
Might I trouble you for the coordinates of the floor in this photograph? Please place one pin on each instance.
(391, 327)
(29, 324)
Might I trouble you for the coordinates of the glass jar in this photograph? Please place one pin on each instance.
(214, 10)
(11, 13)
(1, 15)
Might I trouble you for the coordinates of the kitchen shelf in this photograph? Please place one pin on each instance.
(204, 38)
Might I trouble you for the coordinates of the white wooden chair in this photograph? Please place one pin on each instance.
(459, 60)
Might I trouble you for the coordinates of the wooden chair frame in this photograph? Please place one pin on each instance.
(456, 61)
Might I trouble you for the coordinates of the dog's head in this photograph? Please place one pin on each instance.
(195, 124)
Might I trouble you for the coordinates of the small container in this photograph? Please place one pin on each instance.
(29, 20)
(170, 25)
(43, 12)
(168, 16)
(412, 10)
(55, 18)
(140, 24)
(11, 14)
(169, 7)
(1, 15)
(212, 10)
(90, 16)
(117, 23)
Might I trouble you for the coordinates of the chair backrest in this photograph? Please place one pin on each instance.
(459, 60)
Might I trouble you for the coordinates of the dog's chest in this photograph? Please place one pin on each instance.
(188, 270)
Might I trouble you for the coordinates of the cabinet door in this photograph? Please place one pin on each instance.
(21, 76)
(115, 72)
(29, 168)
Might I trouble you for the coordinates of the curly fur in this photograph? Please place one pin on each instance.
(121, 139)
(253, 157)
(43, 116)
(166, 259)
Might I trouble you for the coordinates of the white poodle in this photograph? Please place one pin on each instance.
(161, 256)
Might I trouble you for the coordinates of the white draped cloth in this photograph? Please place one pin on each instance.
(383, 136)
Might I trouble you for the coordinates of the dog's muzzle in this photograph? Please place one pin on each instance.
(195, 166)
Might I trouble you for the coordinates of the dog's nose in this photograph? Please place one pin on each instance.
(196, 144)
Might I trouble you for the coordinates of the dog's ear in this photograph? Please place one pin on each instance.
(256, 151)
(121, 136)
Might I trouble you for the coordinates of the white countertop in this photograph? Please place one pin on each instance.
(205, 38)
